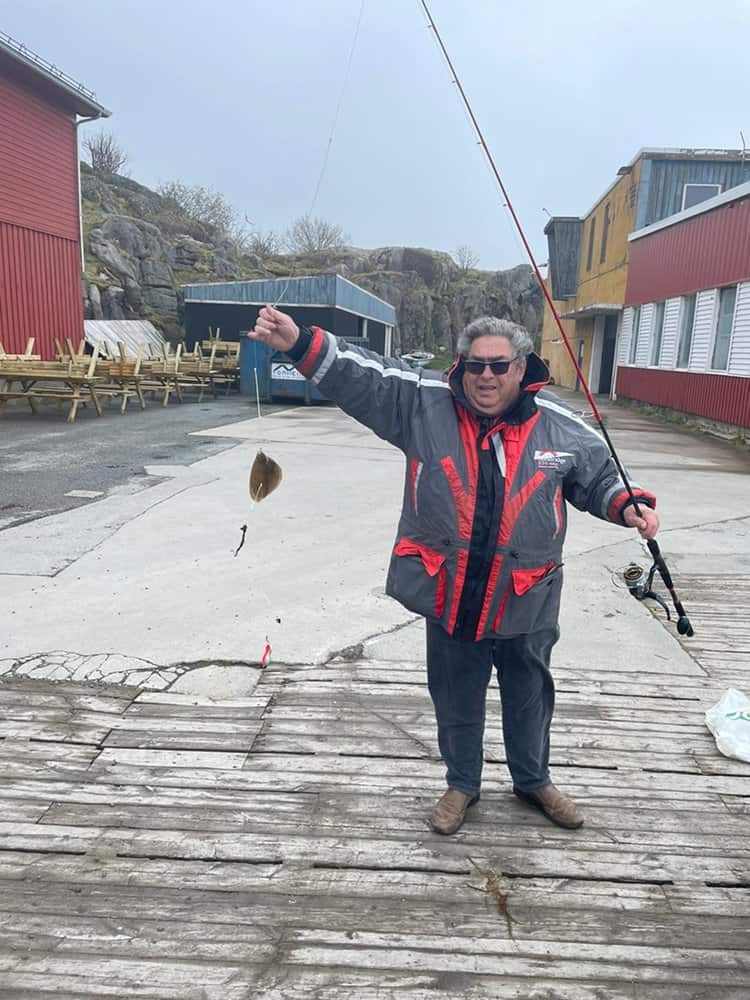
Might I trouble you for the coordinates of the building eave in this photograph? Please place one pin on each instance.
(596, 309)
(33, 69)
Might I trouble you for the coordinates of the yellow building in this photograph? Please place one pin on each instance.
(588, 256)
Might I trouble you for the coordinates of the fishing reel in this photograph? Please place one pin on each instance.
(641, 585)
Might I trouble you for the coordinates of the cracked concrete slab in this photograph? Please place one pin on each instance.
(146, 589)
(154, 575)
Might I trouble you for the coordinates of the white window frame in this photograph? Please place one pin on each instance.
(654, 362)
(635, 328)
(715, 331)
(704, 184)
(683, 306)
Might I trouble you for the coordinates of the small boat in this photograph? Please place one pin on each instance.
(420, 359)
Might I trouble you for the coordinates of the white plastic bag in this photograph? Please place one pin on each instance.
(729, 721)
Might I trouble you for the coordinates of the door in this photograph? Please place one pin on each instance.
(608, 353)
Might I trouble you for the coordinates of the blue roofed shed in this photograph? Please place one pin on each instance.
(325, 300)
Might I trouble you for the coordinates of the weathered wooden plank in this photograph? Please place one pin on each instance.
(121, 933)
(54, 732)
(213, 760)
(175, 699)
(239, 741)
(426, 776)
(68, 689)
(431, 853)
(24, 986)
(222, 711)
(277, 812)
(61, 754)
(302, 983)
(385, 812)
(497, 956)
(17, 698)
(160, 875)
(184, 980)
(241, 926)
(23, 811)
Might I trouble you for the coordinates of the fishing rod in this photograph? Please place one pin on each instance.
(638, 590)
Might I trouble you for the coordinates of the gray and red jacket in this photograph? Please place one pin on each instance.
(544, 455)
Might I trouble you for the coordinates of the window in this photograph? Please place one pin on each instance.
(687, 322)
(694, 194)
(592, 232)
(724, 320)
(658, 331)
(605, 233)
(634, 334)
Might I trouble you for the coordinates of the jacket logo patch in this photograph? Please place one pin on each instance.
(552, 459)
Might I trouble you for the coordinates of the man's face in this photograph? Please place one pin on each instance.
(493, 394)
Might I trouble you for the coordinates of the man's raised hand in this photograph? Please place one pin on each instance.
(276, 329)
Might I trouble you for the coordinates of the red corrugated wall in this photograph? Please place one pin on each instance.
(40, 266)
(706, 251)
(725, 398)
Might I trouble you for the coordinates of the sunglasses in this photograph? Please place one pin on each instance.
(499, 367)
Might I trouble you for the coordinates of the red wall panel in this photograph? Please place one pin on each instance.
(725, 398)
(40, 290)
(38, 163)
(707, 251)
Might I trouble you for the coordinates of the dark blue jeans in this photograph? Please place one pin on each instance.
(458, 675)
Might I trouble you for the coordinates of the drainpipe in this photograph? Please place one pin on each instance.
(79, 122)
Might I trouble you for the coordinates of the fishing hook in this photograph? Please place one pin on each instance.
(683, 622)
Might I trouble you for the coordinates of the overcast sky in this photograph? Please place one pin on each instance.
(240, 95)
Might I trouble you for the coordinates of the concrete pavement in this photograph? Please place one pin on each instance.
(145, 588)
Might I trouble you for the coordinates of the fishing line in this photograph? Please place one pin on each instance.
(683, 623)
(329, 144)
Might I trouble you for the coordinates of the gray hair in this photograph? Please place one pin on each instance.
(491, 326)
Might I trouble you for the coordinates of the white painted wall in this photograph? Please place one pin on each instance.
(643, 354)
(739, 351)
(704, 332)
(670, 334)
(626, 331)
(705, 321)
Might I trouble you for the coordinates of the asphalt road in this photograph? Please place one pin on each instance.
(43, 458)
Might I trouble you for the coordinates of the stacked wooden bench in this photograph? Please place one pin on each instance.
(76, 377)
(72, 379)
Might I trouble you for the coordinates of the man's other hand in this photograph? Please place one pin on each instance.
(276, 329)
(647, 523)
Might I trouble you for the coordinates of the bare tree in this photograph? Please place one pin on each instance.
(466, 258)
(106, 154)
(264, 244)
(310, 235)
(201, 204)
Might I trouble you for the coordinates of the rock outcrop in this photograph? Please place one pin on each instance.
(140, 250)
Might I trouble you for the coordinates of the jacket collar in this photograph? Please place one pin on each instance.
(536, 377)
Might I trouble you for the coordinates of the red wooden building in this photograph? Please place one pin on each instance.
(685, 340)
(40, 232)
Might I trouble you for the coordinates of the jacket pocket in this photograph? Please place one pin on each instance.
(531, 601)
(525, 579)
(421, 577)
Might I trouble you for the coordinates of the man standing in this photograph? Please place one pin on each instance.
(490, 464)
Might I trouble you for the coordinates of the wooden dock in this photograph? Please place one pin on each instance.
(160, 848)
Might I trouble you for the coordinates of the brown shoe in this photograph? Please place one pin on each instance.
(450, 810)
(555, 806)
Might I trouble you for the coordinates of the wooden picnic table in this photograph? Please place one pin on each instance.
(74, 380)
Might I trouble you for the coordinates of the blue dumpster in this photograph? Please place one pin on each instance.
(255, 359)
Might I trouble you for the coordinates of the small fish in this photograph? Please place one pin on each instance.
(265, 476)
